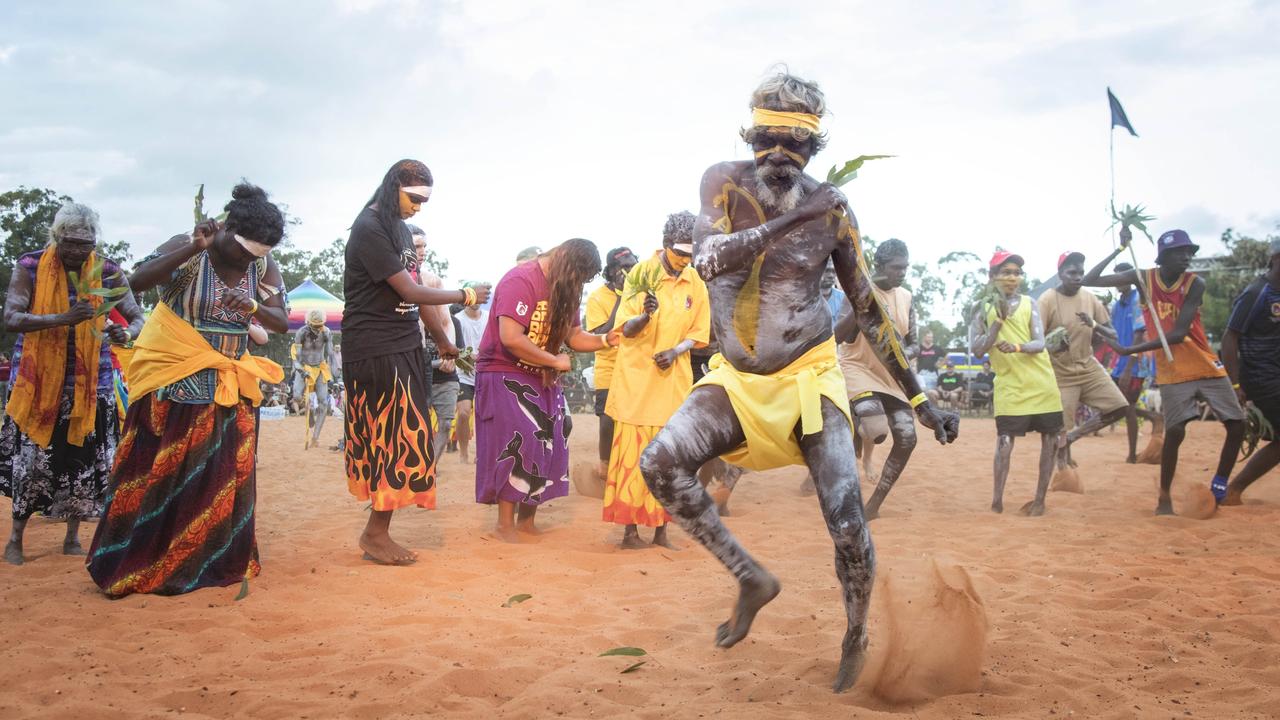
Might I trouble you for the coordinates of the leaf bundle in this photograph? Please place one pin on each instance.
(1132, 216)
(84, 285)
(1057, 340)
(198, 211)
(644, 279)
(1256, 429)
(466, 362)
(839, 175)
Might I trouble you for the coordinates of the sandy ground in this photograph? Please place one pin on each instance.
(1097, 609)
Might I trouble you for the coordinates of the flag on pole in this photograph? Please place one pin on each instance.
(1118, 118)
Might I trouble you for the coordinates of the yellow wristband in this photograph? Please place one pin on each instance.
(1017, 348)
(919, 400)
(254, 311)
(1235, 386)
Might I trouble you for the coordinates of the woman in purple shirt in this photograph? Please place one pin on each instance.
(522, 458)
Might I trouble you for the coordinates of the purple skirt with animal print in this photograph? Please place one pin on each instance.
(521, 452)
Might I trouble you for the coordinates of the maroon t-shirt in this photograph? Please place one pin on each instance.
(522, 295)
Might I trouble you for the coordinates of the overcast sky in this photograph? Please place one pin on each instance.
(544, 121)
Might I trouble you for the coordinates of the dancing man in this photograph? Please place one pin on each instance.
(1026, 395)
(775, 395)
(1080, 377)
(1174, 295)
(60, 430)
(1130, 373)
(660, 325)
(1251, 352)
(879, 407)
(312, 353)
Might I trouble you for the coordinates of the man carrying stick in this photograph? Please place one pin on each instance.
(1188, 370)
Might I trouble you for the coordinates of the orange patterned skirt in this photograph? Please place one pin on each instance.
(390, 457)
(180, 501)
(627, 500)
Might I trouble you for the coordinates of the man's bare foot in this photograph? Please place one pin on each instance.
(871, 511)
(997, 506)
(753, 594)
(1035, 508)
(661, 540)
(1164, 506)
(631, 539)
(71, 546)
(506, 534)
(1132, 459)
(806, 486)
(527, 527)
(385, 551)
(853, 653)
(1234, 497)
(13, 553)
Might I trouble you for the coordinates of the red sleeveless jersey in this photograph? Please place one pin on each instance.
(1193, 358)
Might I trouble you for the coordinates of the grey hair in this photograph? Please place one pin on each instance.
(416, 231)
(74, 215)
(787, 93)
(679, 228)
(890, 249)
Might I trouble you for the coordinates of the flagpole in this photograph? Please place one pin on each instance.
(1111, 146)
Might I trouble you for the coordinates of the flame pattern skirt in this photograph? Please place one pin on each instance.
(522, 455)
(389, 453)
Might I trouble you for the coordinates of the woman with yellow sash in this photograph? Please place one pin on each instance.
(180, 503)
(59, 435)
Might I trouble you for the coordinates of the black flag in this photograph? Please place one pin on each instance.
(1117, 114)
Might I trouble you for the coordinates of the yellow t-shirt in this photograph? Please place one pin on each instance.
(1025, 384)
(600, 306)
(640, 393)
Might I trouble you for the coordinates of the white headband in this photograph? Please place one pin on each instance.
(423, 190)
(254, 247)
(686, 248)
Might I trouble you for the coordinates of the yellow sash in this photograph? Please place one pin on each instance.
(768, 406)
(33, 400)
(170, 349)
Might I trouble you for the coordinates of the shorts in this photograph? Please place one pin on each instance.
(1270, 407)
(601, 397)
(466, 392)
(1178, 400)
(1130, 388)
(1049, 423)
(875, 403)
(1097, 391)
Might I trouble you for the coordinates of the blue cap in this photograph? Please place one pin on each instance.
(1174, 239)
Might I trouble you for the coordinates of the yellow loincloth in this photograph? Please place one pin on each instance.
(314, 373)
(768, 406)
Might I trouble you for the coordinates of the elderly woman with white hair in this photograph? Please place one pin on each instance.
(59, 435)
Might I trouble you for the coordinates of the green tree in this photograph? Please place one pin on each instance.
(1225, 276)
(25, 217)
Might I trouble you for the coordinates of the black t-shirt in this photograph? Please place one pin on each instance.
(949, 380)
(1256, 317)
(375, 321)
(927, 359)
(985, 378)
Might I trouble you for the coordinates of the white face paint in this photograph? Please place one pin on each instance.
(253, 247)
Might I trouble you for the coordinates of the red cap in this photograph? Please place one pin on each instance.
(1003, 256)
(1064, 257)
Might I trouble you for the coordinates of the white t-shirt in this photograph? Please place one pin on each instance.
(472, 331)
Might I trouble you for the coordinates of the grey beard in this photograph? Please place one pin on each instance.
(779, 202)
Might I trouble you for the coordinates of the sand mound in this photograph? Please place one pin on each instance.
(586, 481)
(1150, 455)
(932, 635)
(1066, 479)
(1197, 502)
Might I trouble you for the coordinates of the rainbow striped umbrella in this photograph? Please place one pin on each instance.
(310, 296)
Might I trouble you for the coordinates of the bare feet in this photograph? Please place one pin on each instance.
(507, 534)
(871, 511)
(1164, 506)
(753, 593)
(1035, 508)
(385, 551)
(997, 506)
(806, 486)
(1132, 459)
(853, 653)
(71, 546)
(631, 539)
(13, 553)
(661, 540)
(1234, 496)
(527, 527)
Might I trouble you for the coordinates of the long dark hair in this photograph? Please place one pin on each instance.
(387, 196)
(573, 263)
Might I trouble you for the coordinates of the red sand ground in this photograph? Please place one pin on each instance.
(1097, 609)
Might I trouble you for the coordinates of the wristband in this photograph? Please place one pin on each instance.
(918, 400)
(1235, 386)
(604, 341)
(1017, 348)
(468, 296)
(254, 311)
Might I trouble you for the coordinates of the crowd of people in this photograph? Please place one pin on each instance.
(727, 342)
